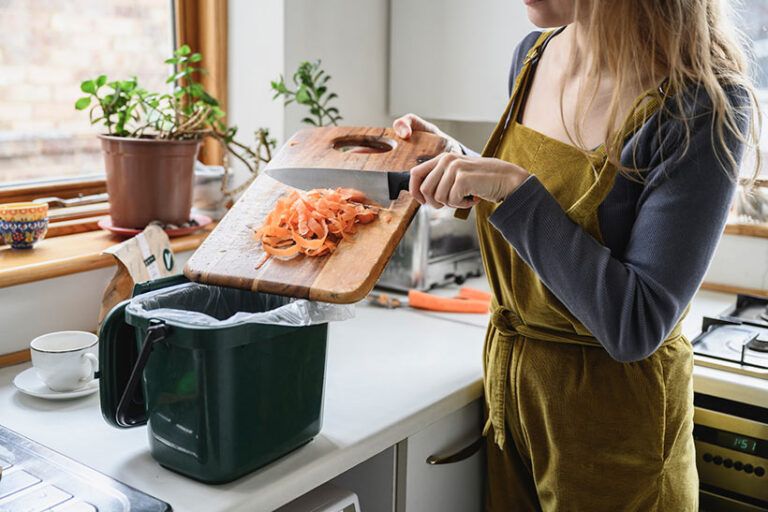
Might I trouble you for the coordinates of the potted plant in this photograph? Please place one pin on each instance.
(152, 139)
(311, 90)
(310, 84)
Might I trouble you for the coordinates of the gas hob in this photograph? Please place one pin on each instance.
(737, 339)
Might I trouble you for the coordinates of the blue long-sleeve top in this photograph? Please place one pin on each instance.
(659, 235)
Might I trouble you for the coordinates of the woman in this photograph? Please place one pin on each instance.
(599, 207)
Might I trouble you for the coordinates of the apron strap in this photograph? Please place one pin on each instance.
(642, 109)
(519, 91)
(513, 105)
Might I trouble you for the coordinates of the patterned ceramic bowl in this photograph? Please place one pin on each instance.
(21, 234)
(23, 212)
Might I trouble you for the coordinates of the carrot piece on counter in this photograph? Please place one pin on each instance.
(422, 300)
(466, 292)
(314, 222)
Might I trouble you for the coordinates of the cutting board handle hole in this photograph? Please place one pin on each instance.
(363, 144)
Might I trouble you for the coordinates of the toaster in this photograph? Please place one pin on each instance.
(437, 249)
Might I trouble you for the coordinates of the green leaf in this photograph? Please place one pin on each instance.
(302, 96)
(195, 57)
(184, 50)
(309, 120)
(208, 99)
(173, 60)
(88, 86)
(101, 80)
(83, 103)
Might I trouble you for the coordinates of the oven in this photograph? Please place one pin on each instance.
(731, 408)
(731, 454)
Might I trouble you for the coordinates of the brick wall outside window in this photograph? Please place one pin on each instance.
(47, 47)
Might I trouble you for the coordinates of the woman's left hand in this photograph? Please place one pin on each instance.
(450, 180)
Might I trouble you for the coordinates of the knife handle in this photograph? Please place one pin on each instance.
(398, 181)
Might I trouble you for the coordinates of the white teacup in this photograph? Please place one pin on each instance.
(65, 360)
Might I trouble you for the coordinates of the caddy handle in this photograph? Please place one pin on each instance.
(157, 331)
(458, 456)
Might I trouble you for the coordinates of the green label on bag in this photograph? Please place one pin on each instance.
(168, 259)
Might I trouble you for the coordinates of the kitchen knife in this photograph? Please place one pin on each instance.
(379, 186)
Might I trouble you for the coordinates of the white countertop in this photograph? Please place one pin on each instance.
(390, 373)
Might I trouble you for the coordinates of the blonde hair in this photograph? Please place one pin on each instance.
(686, 42)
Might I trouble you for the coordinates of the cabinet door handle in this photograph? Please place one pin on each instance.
(458, 456)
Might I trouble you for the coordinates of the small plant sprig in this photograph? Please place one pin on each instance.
(189, 112)
(311, 89)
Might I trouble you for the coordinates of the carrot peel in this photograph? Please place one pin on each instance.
(313, 222)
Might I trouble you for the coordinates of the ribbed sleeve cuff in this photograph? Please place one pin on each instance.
(528, 194)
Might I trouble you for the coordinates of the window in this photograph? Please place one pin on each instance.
(46, 50)
(752, 20)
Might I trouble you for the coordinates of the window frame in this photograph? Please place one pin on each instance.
(201, 24)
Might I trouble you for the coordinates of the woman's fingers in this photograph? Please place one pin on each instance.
(405, 126)
(460, 195)
(402, 127)
(443, 189)
(431, 182)
(418, 174)
(462, 181)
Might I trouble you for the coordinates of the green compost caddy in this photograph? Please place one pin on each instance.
(218, 402)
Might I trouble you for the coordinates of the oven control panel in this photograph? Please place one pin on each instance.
(737, 465)
(732, 453)
(732, 471)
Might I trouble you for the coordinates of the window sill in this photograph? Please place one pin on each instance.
(70, 254)
(756, 230)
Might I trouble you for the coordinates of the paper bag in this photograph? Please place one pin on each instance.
(144, 257)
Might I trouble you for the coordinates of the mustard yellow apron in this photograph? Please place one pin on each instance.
(589, 433)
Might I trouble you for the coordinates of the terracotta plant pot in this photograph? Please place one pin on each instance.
(149, 179)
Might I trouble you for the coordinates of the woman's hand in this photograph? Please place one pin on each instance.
(405, 126)
(461, 181)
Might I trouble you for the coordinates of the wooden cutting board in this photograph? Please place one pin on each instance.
(229, 254)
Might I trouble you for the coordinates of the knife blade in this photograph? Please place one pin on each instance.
(381, 187)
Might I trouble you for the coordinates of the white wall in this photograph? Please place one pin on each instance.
(450, 58)
(67, 303)
(352, 39)
(270, 37)
(256, 55)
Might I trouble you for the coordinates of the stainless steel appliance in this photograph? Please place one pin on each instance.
(437, 249)
(731, 432)
(35, 478)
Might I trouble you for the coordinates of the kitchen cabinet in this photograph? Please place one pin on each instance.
(400, 479)
(449, 59)
(373, 481)
(449, 486)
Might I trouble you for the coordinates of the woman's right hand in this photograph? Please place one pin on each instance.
(405, 126)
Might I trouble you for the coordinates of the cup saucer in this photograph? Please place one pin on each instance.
(28, 382)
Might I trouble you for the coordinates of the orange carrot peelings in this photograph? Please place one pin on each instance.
(313, 222)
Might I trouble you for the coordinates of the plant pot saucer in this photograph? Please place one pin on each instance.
(202, 221)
